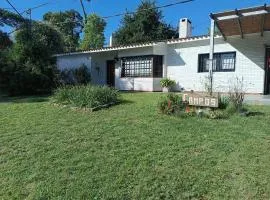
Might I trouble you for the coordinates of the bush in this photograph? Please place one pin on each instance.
(223, 102)
(167, 83)
(85, 96)
(171, 104)
(76, 76)
(237, 93)
(27, 83)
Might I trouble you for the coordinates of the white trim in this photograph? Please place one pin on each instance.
(258, 12)
(175, 41)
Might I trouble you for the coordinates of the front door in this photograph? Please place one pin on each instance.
(267, 72)
(110, 73)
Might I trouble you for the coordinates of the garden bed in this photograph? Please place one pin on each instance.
(85, 97)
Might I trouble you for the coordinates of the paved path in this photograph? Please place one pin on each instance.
(257, 99)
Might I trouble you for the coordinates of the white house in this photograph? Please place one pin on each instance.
(241, 51)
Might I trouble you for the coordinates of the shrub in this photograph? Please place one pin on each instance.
(85, 96)
(76, 76)
(171, 104)
(237, 93)
(167, 83)
(28, 83)
(224, 101)
(82, 75)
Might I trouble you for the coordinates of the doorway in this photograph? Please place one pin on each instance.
(267, 71)
(111, 73)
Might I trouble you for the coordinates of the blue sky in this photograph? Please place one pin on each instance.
(198, 11)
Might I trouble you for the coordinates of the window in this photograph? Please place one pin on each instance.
(142, 66)
(222, 62)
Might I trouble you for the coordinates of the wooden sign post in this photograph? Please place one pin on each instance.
(200, 100)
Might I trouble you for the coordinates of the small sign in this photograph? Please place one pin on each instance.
(200, 100)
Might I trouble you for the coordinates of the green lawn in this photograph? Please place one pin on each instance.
(130, 151)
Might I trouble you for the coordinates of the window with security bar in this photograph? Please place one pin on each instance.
(142, 66)
(222, 62)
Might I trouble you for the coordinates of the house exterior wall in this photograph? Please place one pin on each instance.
(137, 84)
(99, 67)
(182, 63)
(73, 61)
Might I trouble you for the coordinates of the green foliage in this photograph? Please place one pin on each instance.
(85, 96)
(93, 36)
(170, 104)
(29, 66)
(167, 83)
(37, 45)
(26, 83)
(145, 25)
(69, 24)
(224, 101)
(237, 93)
(10, 18)
(5, 41)
(80, 75)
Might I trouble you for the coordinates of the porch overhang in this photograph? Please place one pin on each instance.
(244, 21)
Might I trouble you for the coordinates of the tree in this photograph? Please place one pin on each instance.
(144, 25)
(5, 41)
(30, 67)
(93, 32)
(10, 19)
(70, 24)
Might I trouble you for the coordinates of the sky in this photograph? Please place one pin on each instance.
(197, 11)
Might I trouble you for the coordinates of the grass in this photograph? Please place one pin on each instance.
(130, 151)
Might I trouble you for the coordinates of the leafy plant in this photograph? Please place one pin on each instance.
(167, 83)
(170, 104)
(74, 76)
(237, 93)
(224, 102)
(93, 36)
(85, 96)
(69, 23)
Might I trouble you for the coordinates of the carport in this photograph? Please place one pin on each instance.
(239, 23)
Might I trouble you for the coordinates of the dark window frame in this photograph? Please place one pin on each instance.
(153, 66)
(217, 57)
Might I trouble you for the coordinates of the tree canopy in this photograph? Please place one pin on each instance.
(10, 19)
(145, 25)
(70, 24)
(93, 33)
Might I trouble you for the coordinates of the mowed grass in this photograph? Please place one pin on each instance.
(130, 151)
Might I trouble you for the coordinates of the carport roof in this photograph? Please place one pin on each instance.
(243, 21)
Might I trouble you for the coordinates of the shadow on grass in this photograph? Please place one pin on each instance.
(124, 101)
(252, 114)
(23, 99)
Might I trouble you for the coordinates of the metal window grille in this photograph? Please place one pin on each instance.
(142, 66)
(222, 62)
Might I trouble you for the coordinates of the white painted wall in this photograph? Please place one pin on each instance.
(182, 63)
(137, 84)
(99, 67)
(73, 61)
